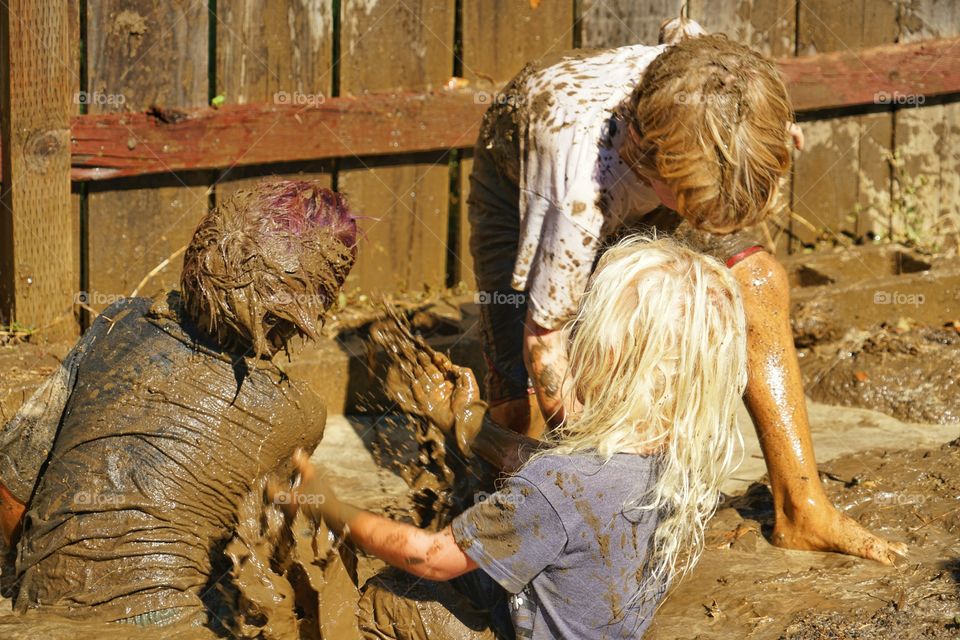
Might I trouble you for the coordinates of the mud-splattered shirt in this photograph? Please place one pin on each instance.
(574, 187)
(560, 535)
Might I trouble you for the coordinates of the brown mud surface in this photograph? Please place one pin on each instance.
(910, 372)
(878, 327)
(745, 588)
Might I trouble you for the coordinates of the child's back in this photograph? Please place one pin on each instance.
(561, 536)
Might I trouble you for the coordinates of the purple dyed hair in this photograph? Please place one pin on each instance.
(268, 262)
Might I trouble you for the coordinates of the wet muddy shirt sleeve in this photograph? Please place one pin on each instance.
(513, 535)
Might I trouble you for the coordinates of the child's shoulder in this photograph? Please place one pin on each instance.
(582, 77)
(566, 472)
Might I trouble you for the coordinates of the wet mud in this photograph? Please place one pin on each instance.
(877, 327)
(907, 371)
(744, 587)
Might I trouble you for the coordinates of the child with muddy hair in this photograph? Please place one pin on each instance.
(589, 528)
(132, 460)
(690, 138)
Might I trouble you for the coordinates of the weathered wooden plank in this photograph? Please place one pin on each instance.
(522, 32)
(500, 36)
(36, 226)
(614, 23)
(275, 53)
(927, 138)
(376, 124)
(841, 180)
(769, 26)
(116, 145)
(875, 75)
(389, 46)
(143, 53)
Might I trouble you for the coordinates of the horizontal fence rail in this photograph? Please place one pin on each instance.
(114, 145)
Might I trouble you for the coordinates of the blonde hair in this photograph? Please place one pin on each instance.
(710, 118)
(658, 363)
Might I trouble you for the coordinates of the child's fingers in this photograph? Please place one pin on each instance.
(301, 462)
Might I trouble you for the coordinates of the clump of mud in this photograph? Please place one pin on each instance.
(909, 372)
(287, 578)
(745, 587)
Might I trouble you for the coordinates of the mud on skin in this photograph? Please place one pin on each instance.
(171, 421)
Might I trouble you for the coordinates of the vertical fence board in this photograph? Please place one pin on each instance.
(392, 46)
(275, 52)
(928, 137)
(842, 180)
(769, 26)
(36, 226)
(499, 37)
(150, 52)
(614, 23)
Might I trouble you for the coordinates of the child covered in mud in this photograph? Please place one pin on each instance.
(131, 461)
(589, 528)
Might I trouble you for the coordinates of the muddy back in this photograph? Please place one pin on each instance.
(161, 437)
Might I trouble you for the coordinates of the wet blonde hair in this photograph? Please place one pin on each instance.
(658, 362)
(710, 119)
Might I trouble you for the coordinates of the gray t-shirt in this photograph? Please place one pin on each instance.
(560, 536)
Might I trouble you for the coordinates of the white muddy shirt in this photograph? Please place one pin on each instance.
(574, 187)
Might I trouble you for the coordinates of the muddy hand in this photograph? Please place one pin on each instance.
(313, 496)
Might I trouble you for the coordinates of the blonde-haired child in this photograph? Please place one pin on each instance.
(586, 535)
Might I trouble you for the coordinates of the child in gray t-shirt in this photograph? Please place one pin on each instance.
(592, 525)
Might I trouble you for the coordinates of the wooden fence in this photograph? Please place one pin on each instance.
(123, 121)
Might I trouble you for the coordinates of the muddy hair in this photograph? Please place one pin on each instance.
(657, 358)
(710, 119)
(267, 263)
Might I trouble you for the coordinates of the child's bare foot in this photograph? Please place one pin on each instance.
(820, 527)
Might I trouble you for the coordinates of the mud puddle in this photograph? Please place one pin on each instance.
(745, 588)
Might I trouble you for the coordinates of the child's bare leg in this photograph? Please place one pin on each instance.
(805, 518)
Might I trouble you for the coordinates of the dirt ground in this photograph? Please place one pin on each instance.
(745, 588)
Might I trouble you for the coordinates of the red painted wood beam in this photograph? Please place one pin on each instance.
(130, 144)
(895, 74)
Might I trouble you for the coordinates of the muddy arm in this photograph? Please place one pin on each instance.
(433, 555)
(505, 449)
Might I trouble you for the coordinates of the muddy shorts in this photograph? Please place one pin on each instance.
(398, 606)
(493, 212)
